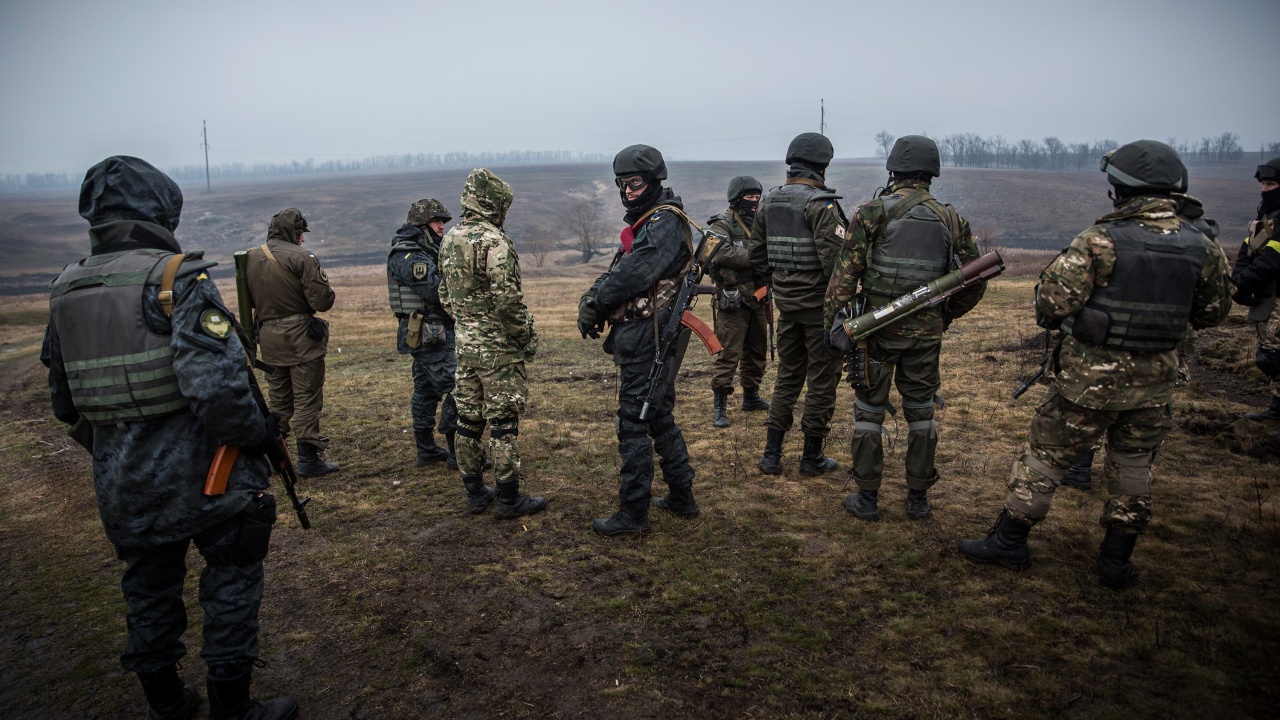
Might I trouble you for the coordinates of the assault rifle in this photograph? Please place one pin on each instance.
(244, 303)
(764, 294)
(673, 336)
(1049, 348)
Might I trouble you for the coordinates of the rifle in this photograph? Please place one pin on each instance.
(715, 304)
(1049, 349)
(244, 303)
(673, 337)
(764, 294)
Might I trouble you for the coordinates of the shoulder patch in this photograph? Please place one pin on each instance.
(419, 270)
(215, 324)
(322, 277)
(310, 254)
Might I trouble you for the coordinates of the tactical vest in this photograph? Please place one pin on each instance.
(915, 248)
(1257, 242)
(118, 370)
(790, 242)
(403, 300)
(643, 306)
(1147, 304)
(723, 276)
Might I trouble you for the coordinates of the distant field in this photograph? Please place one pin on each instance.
(355, 215)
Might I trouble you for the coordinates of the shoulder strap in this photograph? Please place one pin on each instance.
(166, 284)
(738, 217)
(916, 197)
(276, 263)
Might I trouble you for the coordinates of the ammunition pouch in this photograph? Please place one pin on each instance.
(1268, 361)
(413, 330)
(1090, 325)
(433, 334)
(858, 377)
(318, 329)
(729, 298)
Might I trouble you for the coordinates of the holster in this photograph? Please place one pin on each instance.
(255, 528)
(82, 433)
(318, 329)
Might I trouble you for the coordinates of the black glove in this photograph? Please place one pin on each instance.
(588, 316)
(270, 439)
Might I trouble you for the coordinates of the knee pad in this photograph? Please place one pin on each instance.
(471, 428)
(448, 415)
(503, 427)
(1133, 472)
(1268, 361)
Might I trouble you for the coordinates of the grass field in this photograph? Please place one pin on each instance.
(774, 603)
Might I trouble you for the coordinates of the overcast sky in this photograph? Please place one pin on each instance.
(280, 81)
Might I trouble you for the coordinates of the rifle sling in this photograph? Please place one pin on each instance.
(166, 284)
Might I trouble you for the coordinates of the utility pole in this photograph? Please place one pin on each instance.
(205, 144)
(822, 123)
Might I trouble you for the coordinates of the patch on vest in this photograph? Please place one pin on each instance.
(215, 324)
(419, 270)
(839, 230)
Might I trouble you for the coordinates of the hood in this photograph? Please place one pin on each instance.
(802, 170)
(287, 225)
(486, 197)
(129, 188)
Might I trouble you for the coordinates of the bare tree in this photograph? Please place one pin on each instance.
(884, 143)
(985, 238)
(585, 220)
(537, 243)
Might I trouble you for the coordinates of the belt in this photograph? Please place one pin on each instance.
(295, 316)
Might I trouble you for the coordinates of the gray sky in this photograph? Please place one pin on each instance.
(281, 81)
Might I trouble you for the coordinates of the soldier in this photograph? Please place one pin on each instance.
(1255, 274)
(740, 320)
(136, 307)
(424, 329)
(634, 297)
(902, 239)
(287, 288)
(480, 288)
(1113, 372)
(794, 241)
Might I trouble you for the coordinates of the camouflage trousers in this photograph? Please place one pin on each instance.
(803, 359)
(912, 365)
(495, 396)
(1061, 432)
(638, 439)
(433, 379)
(229, 593)
(296, 392)
(745, 338)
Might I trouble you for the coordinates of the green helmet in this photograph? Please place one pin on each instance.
(640, 160)
(1270, 170)
(424, 211)
(742, 185)
(914, 154)
(811, 149)
(1145, 165)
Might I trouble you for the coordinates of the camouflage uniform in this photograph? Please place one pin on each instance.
(286, 297)
(480, 288)
(907, 351)
(155, 434)
(740, 318)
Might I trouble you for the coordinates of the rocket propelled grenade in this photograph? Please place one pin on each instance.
(925, 296)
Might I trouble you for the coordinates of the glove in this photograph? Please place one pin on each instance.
(588, 316)
(270, 438)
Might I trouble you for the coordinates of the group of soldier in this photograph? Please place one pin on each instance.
(159, 389)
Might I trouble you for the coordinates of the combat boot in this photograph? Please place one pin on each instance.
(679, 502)
(167, 697)
(1080, 475)
(1114, 569)
(623, 522)
(1005, 544)
(310, 462)
(479, 495)
(511, 504)
(864, 504)
(771, 462)
(720, 416)
(751, 400)
(813, 462)
(1271, 413)
(229, 700)
(428, 451)
(918, 507)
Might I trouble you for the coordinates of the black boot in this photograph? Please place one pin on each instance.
(751, 399)
(311, 463)
(168, 698)
(428, 451)
(1080, 475)
(452, 460)
(813, 462)
(479, 495)
(1114, 569)
(864, 504)
(720, 416)
(918, 507)
(1271, 413)
(512, 504)
(1005, 544)
(771, 462)
(679, 502)
(229, 700)
(623, 522)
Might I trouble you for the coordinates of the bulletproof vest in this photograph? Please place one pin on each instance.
(914, 250)
(726, 276)
(118, 370)
(404, 301)
(790, 242)
(1147, 304)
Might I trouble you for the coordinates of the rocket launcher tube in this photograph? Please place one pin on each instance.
(987, 266)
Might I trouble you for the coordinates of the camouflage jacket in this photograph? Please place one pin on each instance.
(283, 302)
(1111, 379)
(149, 475)
(414, 265)
(731, 267)
(795, 291)
(480, 279)
(865, 229)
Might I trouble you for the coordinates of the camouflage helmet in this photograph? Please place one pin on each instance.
(424, 211)
(1270, 170)
(640, 160)
(913, 154)
(1145, 165)
(742, 185)
(811, 149)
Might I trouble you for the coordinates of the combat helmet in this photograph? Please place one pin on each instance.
(914, 154)
(742, 185)
(810, 149)
(1145, 165)
(640, 160)
(424, 211)
(1270, 170)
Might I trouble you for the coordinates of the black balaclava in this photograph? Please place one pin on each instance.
(746, 209)
(1270, 202)
(651, 192)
